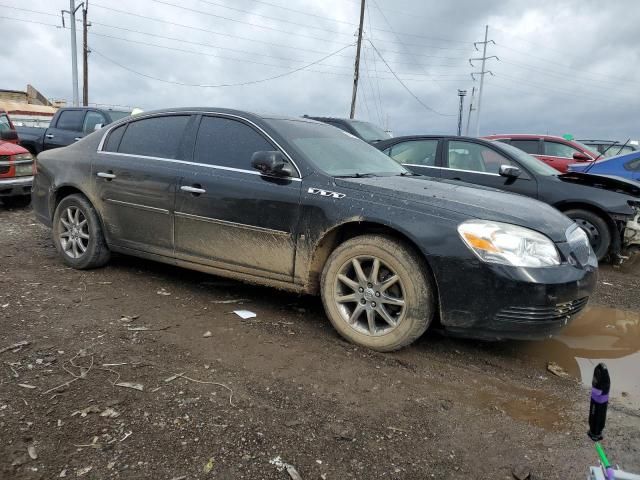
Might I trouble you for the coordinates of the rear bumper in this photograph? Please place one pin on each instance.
(497, 302)
(16, 186)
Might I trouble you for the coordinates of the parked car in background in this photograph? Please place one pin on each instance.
(610, 148)
(68, 125)
(300, 205)
(625, 166)
(366, 131)
(557, 152)
(605, 208)
(16, 166)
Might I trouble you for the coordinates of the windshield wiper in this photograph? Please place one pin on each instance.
(357, 175)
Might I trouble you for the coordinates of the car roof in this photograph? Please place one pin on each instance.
(404, 138)
(227, 111)
(524, 136)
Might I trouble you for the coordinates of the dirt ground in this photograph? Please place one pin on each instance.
(282, 384)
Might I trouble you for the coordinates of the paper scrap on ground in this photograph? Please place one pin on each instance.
(245, 314)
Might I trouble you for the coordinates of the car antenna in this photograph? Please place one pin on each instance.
(586, 170)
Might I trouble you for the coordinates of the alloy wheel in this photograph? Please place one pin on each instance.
(370, 296)
(74, 232)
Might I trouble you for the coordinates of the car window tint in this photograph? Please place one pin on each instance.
(474, 157)
(71, 120)
(557, 149)
(154, 137)
(528, 146)
(228, 143)
(4, 123)
(633, 165)
(415, 152)
(91, 120)
(113, 141)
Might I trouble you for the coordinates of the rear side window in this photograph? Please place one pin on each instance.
(71, 120)
(528, 146)
(633, 165)
(91, 120)
(113, 141)
(228, 143)
(417, 152)
(154, 137)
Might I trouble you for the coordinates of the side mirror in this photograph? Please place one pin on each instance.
(271, 163)
(509, 171)
(581, 157)
(9, 135)
(97, 127)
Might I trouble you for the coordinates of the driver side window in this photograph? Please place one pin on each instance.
(474, 157)
(557, 149)
(417, 152)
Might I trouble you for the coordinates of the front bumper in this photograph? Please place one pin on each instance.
(15, 186)
(495, 302)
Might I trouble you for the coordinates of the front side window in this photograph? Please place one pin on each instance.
(474, 157)
(71, 120)
(228, 143)
(91, 120)
(528, 146)
(4, 123)
(155, 136)
(557, 149)
(416, 152)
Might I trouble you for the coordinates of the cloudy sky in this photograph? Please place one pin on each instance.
(566, 66)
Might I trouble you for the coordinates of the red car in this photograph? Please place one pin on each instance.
(16, 166)
(557, 152)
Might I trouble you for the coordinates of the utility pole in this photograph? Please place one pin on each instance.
(74, 54)
(471, 109)
(461, 94)
(482, 71)
(356, 73)
(85, 56)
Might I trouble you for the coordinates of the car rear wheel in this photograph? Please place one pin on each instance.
(377, 292)
(18, 201)
(596, 229)
(77, 233)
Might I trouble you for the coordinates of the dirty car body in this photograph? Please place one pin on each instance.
(274, 200)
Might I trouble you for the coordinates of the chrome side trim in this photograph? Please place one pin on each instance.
(453, 169)
(232, 224)
(16, 181)
(217, 167)
(197, 112)
(137, 205)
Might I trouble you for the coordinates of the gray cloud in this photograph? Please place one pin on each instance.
(566, 67)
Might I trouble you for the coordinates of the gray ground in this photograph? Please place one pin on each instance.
(442, 408)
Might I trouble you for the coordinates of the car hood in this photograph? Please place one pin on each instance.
(605, 182)
(467, 201)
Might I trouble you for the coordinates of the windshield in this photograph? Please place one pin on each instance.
(593, 150)
(118, 114)
(336, 152)
(369, 131)
(529, 162)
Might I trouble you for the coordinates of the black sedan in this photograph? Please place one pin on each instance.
(604, 207)
(302, 206)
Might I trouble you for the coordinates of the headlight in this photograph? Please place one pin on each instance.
(506, 244)
(24, 164)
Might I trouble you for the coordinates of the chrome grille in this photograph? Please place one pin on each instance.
(554, 313)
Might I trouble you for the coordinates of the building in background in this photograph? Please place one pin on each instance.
(29, 108)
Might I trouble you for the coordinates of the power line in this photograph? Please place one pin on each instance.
(406, 87)
(239, 84)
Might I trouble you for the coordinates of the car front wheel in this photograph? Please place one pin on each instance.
(596, 229)
(377, 292)
(77, 233)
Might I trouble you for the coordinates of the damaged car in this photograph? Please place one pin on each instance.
(606, 208)
(299, 205)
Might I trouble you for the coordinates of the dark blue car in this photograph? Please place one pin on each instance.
(626, 166)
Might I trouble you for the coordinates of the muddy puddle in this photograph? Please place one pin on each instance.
(600, 334)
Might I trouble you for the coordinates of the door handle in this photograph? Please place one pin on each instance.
(107, 175)
(196, 189)
(49, 135)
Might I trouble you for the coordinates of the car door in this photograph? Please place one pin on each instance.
(135, 175)
(419, 156)
(67, 130)
(478, 163)
(230, 216)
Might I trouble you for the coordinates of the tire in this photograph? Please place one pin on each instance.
(412, 285)
(82, 228)
(18, 201)
(596, 229)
